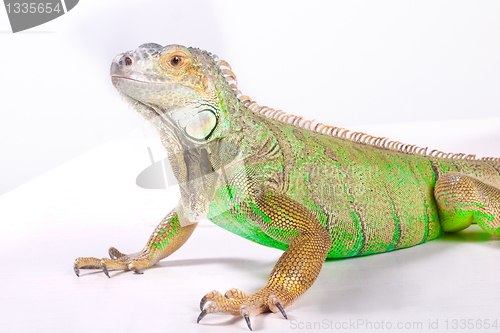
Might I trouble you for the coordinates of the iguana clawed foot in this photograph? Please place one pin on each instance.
(119, 261)
(168, 236)
(236, 302)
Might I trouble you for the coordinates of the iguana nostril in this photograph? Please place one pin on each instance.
(128, 61)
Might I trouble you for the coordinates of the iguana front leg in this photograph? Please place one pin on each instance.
(168, 236)
(296, 270)
(463, 200)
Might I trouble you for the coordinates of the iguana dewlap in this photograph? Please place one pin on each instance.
(313, 190)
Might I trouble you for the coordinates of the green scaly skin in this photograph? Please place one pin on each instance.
(316, 196)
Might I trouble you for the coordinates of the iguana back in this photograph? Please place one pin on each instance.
(369, 197)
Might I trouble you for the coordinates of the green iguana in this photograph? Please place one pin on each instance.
(313, 190)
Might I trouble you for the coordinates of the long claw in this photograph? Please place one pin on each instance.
(203, 302)
(76, 269)
(136, 271)
(201, 316)
(105, 269)
(278, 305)
(247, 319)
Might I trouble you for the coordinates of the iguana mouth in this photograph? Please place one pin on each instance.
(113, 77)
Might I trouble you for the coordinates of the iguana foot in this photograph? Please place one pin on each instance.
(168, 236)
(119, 261)
(236, 302)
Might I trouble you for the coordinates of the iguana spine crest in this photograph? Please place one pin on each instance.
(339, 132)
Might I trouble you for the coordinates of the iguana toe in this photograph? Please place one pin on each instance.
(115, 254)
(235, 294)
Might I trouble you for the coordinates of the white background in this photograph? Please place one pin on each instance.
(421, 72)
(347, 64)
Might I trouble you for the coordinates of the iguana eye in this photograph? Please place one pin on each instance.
(176, 61)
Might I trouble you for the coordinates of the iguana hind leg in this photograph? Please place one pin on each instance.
(168, 236)
(295, 271)
(463, 200)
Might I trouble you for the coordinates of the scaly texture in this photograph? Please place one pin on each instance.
(313, 190)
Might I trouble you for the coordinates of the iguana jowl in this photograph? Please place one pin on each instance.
(313, 190)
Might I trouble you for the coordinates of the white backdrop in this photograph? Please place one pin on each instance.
(345, 63)
(422, 72)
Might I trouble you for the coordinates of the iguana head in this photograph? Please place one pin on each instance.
(186, 95)
(174, 86)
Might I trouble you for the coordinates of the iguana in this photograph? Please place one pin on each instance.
(312, 190)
